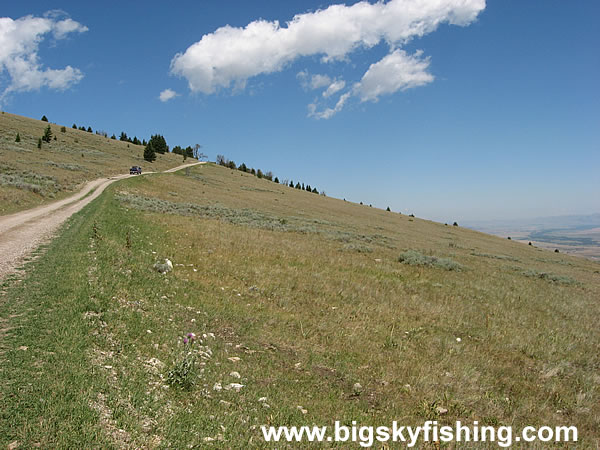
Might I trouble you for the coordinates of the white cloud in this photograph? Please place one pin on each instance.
(334, 87)
(395, 72)
(19, 43)
(167, 95)
(318, 81)
(230, 56)
(327, 113)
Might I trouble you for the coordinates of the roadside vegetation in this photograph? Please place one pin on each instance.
(279, 303)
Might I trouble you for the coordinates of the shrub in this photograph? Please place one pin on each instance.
(561, 279)
(415, 258)
(18, 138)
(63, 129)
(39, 143)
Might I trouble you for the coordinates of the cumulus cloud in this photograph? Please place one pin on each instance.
(230, 56)
(397, 71)
(19, 43)
(167, 95)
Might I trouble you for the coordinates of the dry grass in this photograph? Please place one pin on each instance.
(30, 176)
(302, 311)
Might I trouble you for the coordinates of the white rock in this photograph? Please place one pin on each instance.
(235, 375)
(234, 359)
(217, 387)
(459, 340)
(234, 386)
(262, 399)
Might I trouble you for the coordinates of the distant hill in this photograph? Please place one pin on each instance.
(30, 176)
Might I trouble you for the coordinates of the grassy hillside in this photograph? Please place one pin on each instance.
(297, 297)
(30, 176)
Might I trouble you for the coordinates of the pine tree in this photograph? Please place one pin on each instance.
(276, 180)
(149, 153)
(74, 127)
(292, 183)
(159, 144)
(259, 173)
(47, 134)
(39, 142)
(89, 130)
(18, 138)
(388, 209)
(44, 119)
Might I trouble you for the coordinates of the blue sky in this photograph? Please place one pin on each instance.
(491, 110)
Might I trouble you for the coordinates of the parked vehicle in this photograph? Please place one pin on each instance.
(135, 170)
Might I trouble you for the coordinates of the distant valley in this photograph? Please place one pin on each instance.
(576, 234)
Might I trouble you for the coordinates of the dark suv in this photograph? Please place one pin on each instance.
(135, 170)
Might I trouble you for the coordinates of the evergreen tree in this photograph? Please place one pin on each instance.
(44, 119)
(189, 152)
(231, 165)
(276, 180)
(82, 128)
(242, 167)
(298, 185)
(314, 191)
(74, 127)
(259, 173)
(252, 171)
(123, 136)
(388, 209)
(47, 134)
(113, 137)
(39, 142)
(18, 138)
(89, 130)
(63, 129)
(159, 144)
(291, 183)
(149, 153)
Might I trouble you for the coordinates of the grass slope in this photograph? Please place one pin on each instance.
(30, 176)
(302, 297)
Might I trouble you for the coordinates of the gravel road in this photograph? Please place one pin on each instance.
(21, 233)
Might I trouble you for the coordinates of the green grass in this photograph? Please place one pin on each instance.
(300, 315)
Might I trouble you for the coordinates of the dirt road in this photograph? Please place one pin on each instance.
(21, 233)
